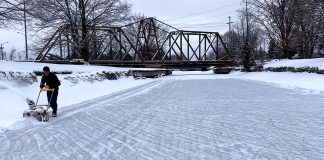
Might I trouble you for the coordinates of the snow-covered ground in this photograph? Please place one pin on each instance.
(188, 115)
(216, 119)
(13, 95)
(12, 99)
(318, 62)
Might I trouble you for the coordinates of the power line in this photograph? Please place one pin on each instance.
(197, 24)
(208, 26)
(202, 12)
(203, 25)
(220, 21)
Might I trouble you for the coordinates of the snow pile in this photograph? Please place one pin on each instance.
(298, 63)
(75, 79)
(24, 73)
(21, 78)
(12, 102)
(30, 67)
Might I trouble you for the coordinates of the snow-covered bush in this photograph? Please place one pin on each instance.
(19, 77)
(102, 76)
(40, 73)
(290, 69)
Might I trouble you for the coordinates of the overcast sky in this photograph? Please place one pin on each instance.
(211, 15)
(202, 15)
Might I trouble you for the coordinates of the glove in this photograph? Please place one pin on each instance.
(41, 86)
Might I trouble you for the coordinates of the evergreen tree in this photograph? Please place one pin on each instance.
(273, 53)
(247, 57)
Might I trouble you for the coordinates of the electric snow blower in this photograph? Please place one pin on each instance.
(39, 111)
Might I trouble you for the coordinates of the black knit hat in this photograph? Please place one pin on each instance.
(46, 68)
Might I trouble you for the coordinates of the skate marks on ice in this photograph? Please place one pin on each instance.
(191, 119)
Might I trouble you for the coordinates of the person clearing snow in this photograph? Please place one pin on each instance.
(50, 80)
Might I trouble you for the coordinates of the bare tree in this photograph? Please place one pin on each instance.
(278, 18)
(296, 25)
(12, 54)
(9, 11)
(237, 37)
(76, 18)
(308, 27)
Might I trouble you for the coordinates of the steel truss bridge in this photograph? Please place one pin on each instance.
(146, 43)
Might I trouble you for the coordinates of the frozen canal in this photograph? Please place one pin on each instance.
(180, 119)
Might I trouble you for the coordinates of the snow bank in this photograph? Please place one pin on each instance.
(85, 83)
(22, 78)
(13, 98)
(12, 102)
(318, 62)
(31, 66)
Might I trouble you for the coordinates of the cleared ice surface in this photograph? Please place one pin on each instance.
(180, 119)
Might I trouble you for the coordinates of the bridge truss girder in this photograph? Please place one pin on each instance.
(149, 40)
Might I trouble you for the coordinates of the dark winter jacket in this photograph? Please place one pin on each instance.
(51, 80)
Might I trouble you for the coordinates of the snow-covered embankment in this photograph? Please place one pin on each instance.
(19, 82)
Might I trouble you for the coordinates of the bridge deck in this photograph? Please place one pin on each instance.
(154, 64)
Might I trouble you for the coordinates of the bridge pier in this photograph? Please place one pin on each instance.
(151, 73)
(222, 70)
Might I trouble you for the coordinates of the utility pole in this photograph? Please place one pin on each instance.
(247, 22)
(25, 21)
(230, 33)
(229, 24)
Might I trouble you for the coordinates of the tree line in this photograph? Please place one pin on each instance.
(285, 27)
(46, 17)
(277, 28)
